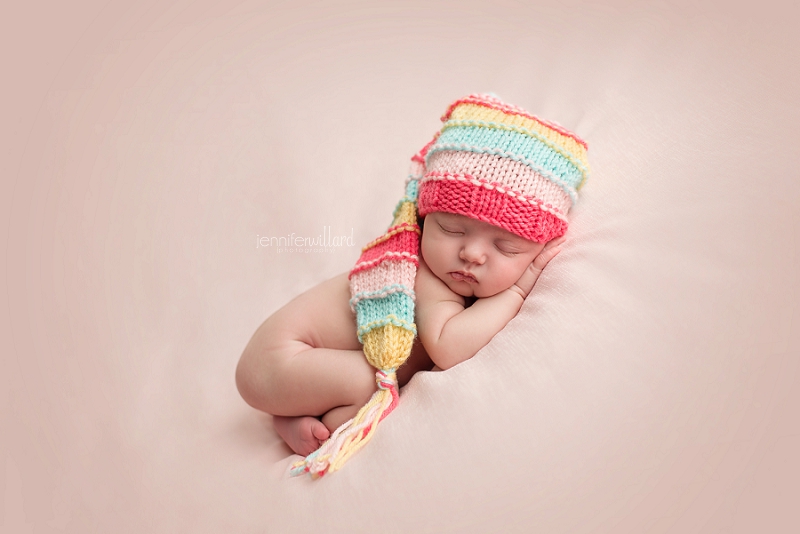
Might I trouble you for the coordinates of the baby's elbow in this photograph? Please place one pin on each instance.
(444, 365)
(443, 356)
(444, 343)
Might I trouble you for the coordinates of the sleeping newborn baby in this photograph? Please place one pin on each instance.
(491, 192)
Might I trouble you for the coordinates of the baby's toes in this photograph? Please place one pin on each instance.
(320, 431)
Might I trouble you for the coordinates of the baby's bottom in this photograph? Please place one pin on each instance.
(287, 369)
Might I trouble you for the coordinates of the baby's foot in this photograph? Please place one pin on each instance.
(303, 435)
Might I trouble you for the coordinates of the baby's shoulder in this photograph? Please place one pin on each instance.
(430, 289)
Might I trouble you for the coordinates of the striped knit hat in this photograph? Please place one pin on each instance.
(497, 163)
(491, 161)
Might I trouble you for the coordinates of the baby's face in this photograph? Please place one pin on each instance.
(472, 257)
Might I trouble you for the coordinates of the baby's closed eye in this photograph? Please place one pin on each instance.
(507, 249)
(451, 231)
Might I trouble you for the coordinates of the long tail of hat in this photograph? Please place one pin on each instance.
(382, 290)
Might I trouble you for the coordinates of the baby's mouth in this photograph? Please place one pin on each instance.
(462, 276)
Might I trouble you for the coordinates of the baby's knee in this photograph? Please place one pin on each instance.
(255, 376)
(247, 383)
(255, 370)
(263, 374)
(242, 377)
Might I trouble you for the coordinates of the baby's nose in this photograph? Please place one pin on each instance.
(473, 253)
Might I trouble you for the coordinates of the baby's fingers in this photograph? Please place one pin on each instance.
(555, 242)
(545, 256)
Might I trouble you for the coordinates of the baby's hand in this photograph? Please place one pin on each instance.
(526, 282)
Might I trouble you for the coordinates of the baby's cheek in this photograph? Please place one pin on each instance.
(514, 271)
(432, 253)
(425, 250)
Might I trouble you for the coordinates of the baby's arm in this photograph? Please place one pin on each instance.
(452, 333)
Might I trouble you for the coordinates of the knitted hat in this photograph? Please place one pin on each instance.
(491, 161)
(498, 163)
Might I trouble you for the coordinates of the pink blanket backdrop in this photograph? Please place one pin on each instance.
(649, 384)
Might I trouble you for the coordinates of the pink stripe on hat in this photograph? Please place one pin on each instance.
(489, 205)
(511, 177)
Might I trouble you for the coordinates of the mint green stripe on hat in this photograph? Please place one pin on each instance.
(528, 150)
(375, 310)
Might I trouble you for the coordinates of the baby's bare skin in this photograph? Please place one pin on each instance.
(305, 365)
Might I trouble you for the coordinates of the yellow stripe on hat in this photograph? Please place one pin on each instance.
(474, 112)
(406, 213)
(388, 347)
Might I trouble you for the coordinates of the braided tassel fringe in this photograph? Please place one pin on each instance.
(355, 433)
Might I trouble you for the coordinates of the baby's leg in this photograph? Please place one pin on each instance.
(285, 371)
(301, 387)
(328, 382)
